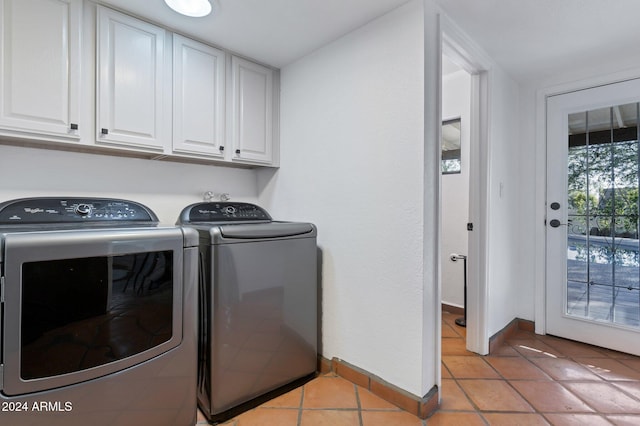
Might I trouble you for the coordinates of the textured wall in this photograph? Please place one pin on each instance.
(352, 162)
(163, 186)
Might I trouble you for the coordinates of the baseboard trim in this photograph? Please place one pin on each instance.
(508, 331)
(420, 407)
(428, 404)
(501, 336)
(452, 309)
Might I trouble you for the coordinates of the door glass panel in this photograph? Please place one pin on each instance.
(602, 258)
(86, 312)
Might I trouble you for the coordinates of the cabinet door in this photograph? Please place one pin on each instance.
(40, 66)
(198, 98)
(252, 111)
(130, 81)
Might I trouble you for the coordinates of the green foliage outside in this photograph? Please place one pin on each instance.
(612, 189)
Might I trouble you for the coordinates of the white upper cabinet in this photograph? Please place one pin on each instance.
(158, 94)
(40, 68)
(131, 82)
(198, 98)
(251, 111)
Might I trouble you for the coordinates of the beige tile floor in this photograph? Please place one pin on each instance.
(530, 380)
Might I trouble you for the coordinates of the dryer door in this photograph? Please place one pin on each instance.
(83, 304)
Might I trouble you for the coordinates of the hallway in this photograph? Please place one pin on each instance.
(530, 380)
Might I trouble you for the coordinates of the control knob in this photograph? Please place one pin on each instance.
(83, 209)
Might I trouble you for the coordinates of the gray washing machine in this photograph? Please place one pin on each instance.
(98, 315)
(258, 304)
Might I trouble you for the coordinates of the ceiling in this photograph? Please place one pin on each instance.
(538, 39)
(274, 32)
(608, 118)
(527, 38)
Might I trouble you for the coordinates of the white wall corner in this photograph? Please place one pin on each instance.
(431, 311)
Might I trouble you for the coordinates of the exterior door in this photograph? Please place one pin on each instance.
(593, 274)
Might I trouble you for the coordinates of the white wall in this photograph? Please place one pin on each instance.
(505, 258)
(163, 186)
(456, 103)
(352, 140)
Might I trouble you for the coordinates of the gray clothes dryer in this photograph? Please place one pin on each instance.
(98, 319)
(258, 303)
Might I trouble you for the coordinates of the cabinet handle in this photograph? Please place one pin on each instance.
(221, 148)
(104, 131)
(73, 126)
(237, 151)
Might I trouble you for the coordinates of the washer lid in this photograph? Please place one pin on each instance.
(265, 230)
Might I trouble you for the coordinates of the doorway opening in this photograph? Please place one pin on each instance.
(454, 187)
(463, 53)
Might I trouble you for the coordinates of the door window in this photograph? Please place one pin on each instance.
(85, 312)
(602, 255)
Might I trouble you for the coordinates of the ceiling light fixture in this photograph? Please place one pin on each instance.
(193, 8)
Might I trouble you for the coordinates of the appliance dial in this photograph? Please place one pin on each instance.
(83, 209)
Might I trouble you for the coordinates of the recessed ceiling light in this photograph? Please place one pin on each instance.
(193, 8)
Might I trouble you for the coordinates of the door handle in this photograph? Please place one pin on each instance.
(555, 223)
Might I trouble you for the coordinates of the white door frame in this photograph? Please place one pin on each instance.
(463, 51)
(541, 179)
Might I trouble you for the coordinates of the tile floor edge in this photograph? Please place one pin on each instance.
(420, 407)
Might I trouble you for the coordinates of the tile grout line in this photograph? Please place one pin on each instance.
(476, 409)
(299, 423)
(508, 382)
(503, 379)
(471, 402)
(355, 387)
(561, 382)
